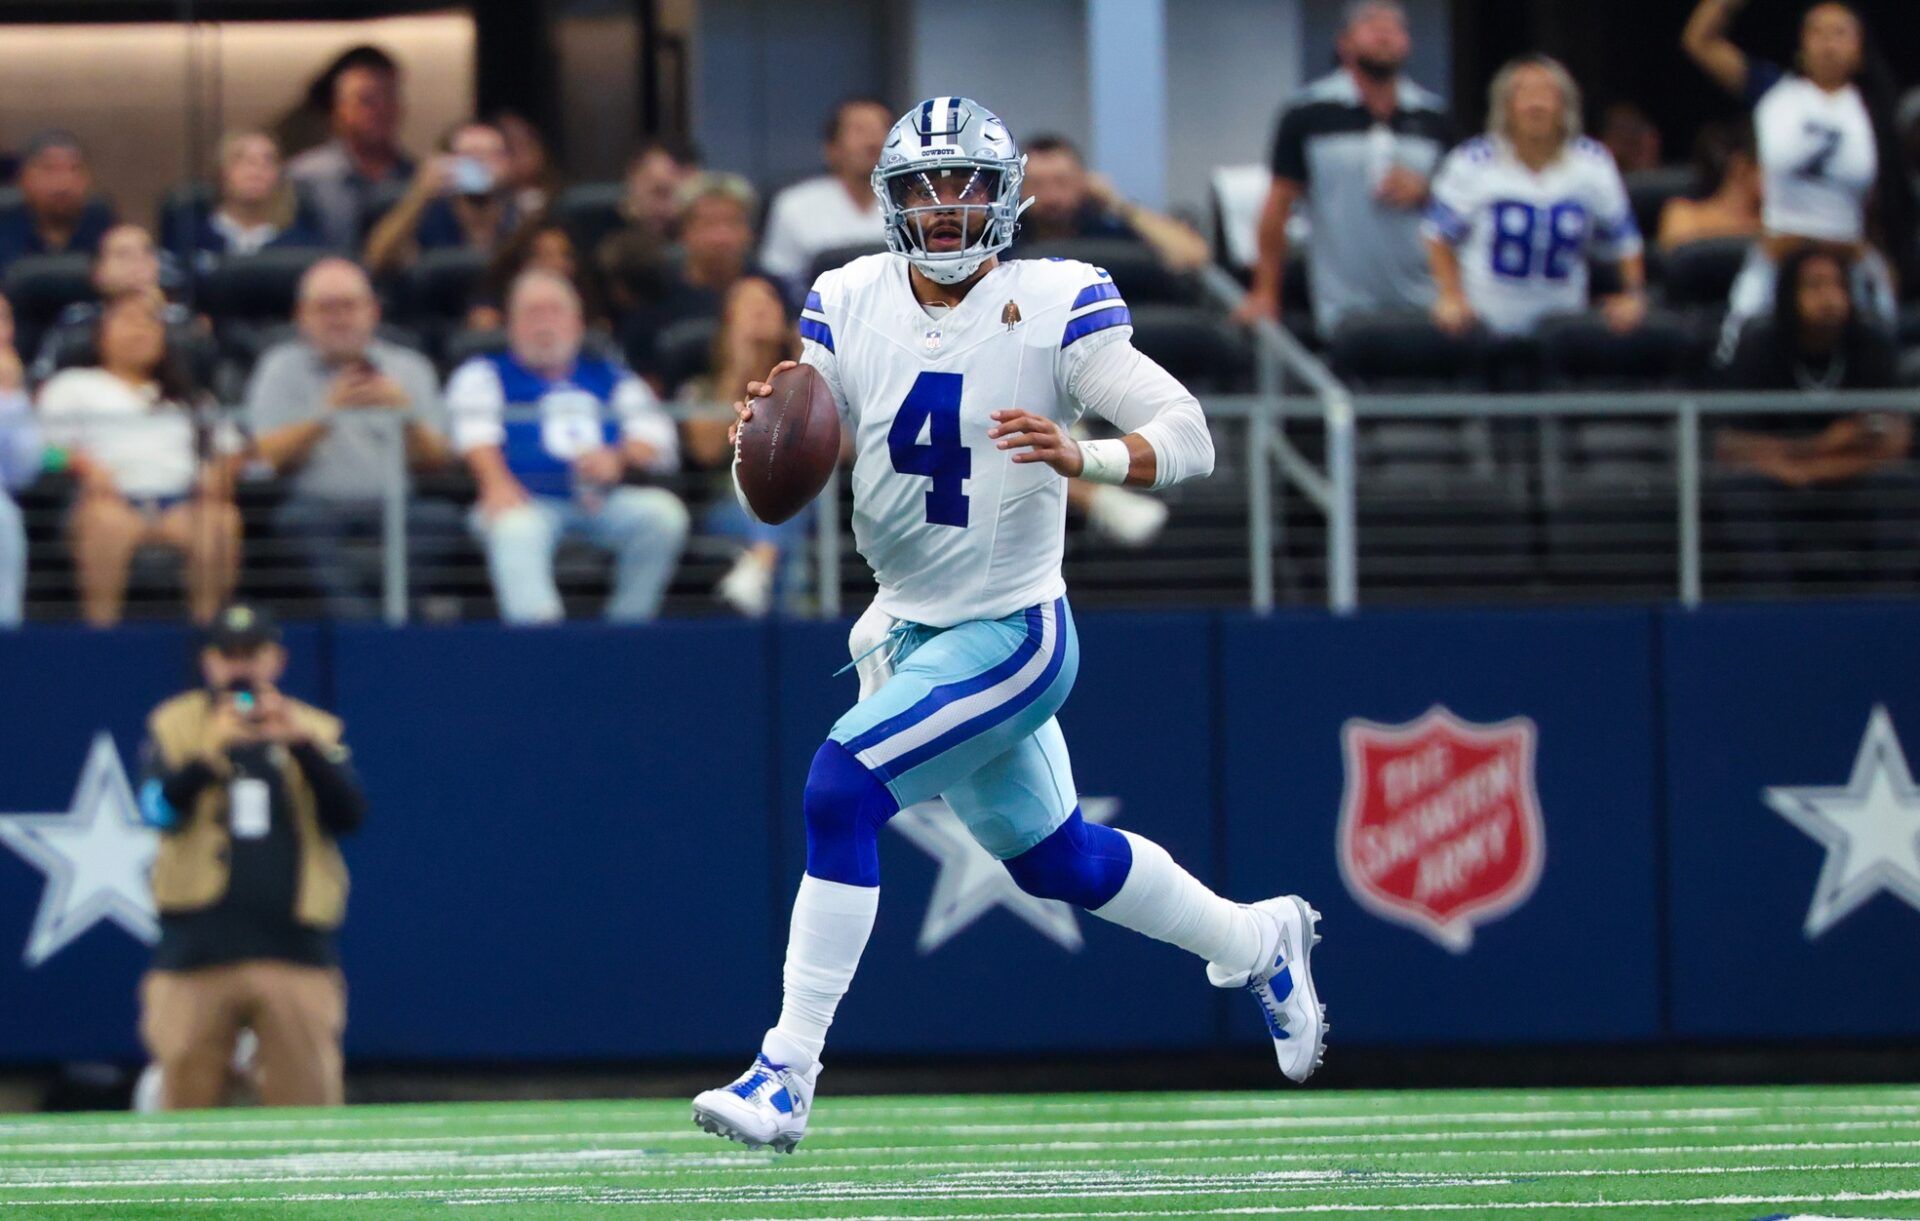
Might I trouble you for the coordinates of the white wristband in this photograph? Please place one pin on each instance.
(1105, 461)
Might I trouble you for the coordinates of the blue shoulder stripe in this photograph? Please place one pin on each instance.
(1105, 291)
(813, 302)
(1099, 320)
(819, 332)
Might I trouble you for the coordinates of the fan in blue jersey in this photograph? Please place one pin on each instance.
(957, 376)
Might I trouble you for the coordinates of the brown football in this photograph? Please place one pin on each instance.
(789, 448)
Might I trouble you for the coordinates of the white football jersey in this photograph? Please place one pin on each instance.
(1818, 159)
(1524, 238)
(953, 529)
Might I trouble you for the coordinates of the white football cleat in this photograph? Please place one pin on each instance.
(766, 1106)
(1283, 985)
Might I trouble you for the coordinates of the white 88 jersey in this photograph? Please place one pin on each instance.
(952, 527)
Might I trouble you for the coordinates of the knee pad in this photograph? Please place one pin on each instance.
(846, 806)
(1081, 863)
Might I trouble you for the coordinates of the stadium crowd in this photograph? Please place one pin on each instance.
(554, 356)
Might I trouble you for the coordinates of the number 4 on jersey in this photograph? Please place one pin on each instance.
(934, 403)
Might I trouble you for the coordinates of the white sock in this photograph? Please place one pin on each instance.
(1167, 903)
(831, 922)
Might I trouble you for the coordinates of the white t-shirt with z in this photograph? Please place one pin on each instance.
(1817, 157)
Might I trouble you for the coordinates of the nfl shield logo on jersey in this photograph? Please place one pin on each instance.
(1440, 826)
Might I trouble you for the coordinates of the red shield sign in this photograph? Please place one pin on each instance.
(1440, 827)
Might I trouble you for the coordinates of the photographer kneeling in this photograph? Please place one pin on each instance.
(250, 790)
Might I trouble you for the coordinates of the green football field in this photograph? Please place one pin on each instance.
(1734, 1153)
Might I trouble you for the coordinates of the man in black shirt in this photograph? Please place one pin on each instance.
(1796, 479)
(250, 789)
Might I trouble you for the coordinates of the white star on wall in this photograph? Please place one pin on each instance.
(96, 857)
(972, 883)
(1871, 828)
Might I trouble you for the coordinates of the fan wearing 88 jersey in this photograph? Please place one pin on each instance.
(956, 376)
(1515, 215)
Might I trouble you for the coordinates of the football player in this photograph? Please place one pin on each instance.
(957, 376)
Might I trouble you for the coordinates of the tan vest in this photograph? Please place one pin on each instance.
(191, 870)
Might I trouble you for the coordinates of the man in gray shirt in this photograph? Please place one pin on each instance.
(1358, 147)
(344, 177)
(321, 409)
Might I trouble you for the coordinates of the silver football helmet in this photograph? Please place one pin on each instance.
(950, 172)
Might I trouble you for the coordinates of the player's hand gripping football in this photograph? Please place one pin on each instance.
(1039, 439)
(743, 409)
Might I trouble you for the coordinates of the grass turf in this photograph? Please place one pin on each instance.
(1723, 1153)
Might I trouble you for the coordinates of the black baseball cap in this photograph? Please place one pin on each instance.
(241, 627)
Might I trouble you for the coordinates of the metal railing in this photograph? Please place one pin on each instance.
(1282, 361)
(1306, 446)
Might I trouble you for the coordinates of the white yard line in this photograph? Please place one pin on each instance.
(690, 1135)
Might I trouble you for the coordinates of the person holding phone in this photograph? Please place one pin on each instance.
(250, 790)
(463, 197)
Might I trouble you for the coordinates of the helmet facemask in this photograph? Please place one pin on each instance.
(950, 216)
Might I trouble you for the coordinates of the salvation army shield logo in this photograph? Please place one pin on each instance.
(1440, 826)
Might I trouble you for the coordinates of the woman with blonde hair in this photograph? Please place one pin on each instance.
(256, 208)
(1517, 214)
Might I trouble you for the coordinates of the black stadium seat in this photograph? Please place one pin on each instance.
(840, 256)
(1580, 351)
(39, 286)
(683, 351)
(1196, 346)
(1132, 264)
(590, 211)
(1699, 275)
(255, 287)
(441, 283)
(1402, 351)
(1649, 190)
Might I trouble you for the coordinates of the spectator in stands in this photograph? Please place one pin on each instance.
(1828, 145)
(715, 232)
(20, 453)
(58, 212)
(345, 176)
(564, 472)
(257, 209)
(460, 198)
(1726, 199)
(1070, 202)
(1631, 137)
(310, 123)
(1516, 214)
(755, 333)
(1360, 147)
(129, 430)
(1815, 342)
(836, 209)
(531, 180)
(635, 261)
(544, 245)
(250, 789)
(318, 408)
(125, 262)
